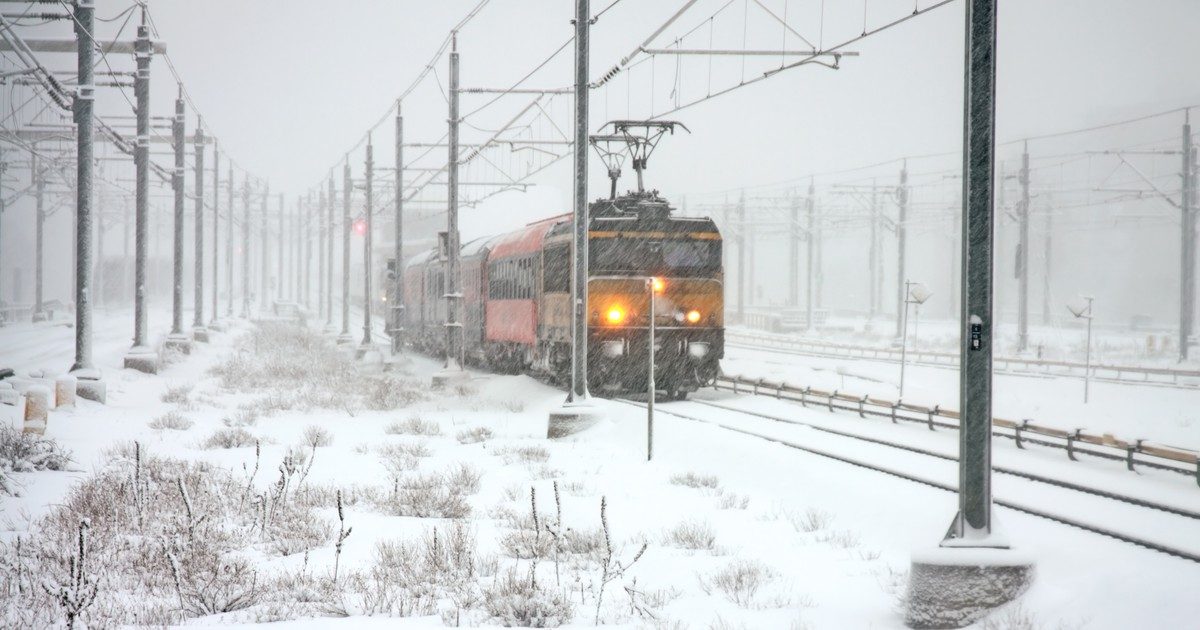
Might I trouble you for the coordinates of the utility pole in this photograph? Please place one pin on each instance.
(264, 280)
(578, 409)
(216, 224)
(397, 305)
(973, 525)
(39, 187)
(347, 184)
(1023, 255)
(901, 249)
(229, 248)
(368, 191)
(813, 243)
(279, 295)
(199, 333)
(306, 239)
(873, 257)
(90, 385)
(297, 266)
(177, 340)
(453, 365)
(1187, 279)
(246, 247)
(323, 233)
(741, 259)
(794, 255)
(329, 255)
(1048, 249)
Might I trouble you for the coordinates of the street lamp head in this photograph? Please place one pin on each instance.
(919, 293)
(1081, 307)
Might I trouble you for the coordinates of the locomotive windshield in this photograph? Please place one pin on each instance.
(677, 257)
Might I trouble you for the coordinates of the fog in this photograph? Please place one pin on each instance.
(290, 89)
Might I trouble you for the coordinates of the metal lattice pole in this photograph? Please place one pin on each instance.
(39, 187)
(794, 254)
(323, 232)
(246, 247)
(282, 236)
(229, 247)
(808, 251)
(1023, 255)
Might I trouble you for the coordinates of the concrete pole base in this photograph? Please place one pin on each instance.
(200, 334)
(572, 418)
(39, 317)
(89, 385)
(449, 377)
(178, 343)
(142, 359)
(345, 339)
(953, 587)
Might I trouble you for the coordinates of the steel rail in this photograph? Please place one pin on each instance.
(1019, 507)
(1135, 453)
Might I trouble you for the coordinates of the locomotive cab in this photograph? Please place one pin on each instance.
(632, 238)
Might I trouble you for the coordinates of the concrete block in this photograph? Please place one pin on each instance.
(94, 390)
(142, 359)
(178, 343)
(200, 335)
(953, 587)
(37, 409)
(572, 418)
(64, 390)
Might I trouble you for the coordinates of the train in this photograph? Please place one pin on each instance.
(515, 310)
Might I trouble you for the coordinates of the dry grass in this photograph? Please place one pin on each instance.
(694, 535)
(694, 480)
(522, 454)
(740, 581)
(474, 435)
(229, 438)
(178, 394)
(316, 436)
(171, 420)
(413, 426)
(24, 452)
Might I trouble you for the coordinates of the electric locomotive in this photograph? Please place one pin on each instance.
(516, 292)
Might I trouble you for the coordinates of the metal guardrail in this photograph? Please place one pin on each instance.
(1078, 442)
(1175, 377)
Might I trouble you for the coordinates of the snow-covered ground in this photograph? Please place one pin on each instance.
(757, 536)
(1160, 414)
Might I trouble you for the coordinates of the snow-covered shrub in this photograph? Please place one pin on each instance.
(513, 405)
(229, 438)
(413, 426)
(178, 394)
(732, 501)
(315, 436)
(474, 435)
(739, 581)
(693, 535)
(387, 392)
(427, 496)
(514, 600)
(522, 454)
(811, 521)
(172, 420)
(24, 452)
(464, 478)
(694, 480)
(843, 539)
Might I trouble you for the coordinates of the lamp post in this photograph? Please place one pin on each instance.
(914, 293)
(653, 287)
(1082, 309)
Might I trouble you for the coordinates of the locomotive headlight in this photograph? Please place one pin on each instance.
(615, 315)
(693, 316)
(698, 349)
(613, 349)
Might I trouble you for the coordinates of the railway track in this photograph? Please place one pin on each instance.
(1122, 374)
(1133, 520)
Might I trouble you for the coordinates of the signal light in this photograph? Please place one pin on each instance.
(693, 316)
(657, 284)
(615, 315)
(360, 227)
